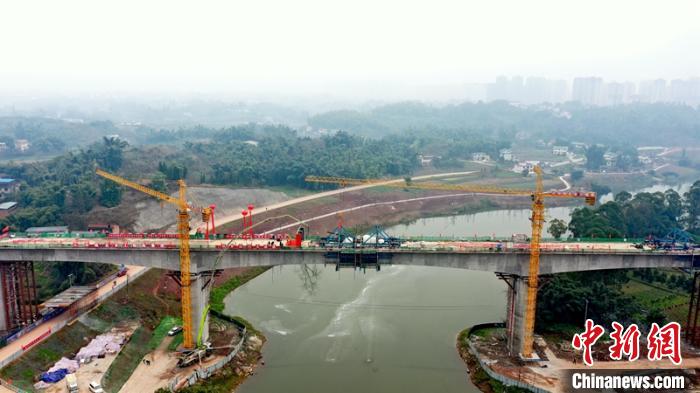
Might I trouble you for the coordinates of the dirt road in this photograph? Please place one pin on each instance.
(155, 375)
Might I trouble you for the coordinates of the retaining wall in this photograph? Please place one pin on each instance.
(503, 379)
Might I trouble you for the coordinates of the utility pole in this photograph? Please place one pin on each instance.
(585, 314)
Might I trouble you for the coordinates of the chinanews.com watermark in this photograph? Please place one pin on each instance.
(662, 343)
(627, 380)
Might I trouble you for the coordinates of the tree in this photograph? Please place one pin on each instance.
(110, 193)
(111, 156)
(158, 182)
(623, 197)
(692, 208)
(557, 228)
(595, 157)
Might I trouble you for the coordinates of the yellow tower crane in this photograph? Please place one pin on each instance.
(538, 196)
(183, 226)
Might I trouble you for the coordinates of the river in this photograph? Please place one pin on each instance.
(389, 331)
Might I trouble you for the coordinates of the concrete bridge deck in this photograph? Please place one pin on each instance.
(510, 262)
(513, 262)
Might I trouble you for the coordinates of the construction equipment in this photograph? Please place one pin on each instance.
(183, 225)
(538, 196)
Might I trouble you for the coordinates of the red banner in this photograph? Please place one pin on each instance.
(36, 340)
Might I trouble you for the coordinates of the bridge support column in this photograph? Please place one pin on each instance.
(199, 294)
(515, 312)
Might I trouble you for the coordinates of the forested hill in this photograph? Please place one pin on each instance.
(638, 124)
(65, 189)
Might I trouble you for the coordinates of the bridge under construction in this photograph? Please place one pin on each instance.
(506, 259)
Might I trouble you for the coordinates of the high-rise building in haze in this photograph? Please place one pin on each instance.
(685, 91)
(593, 91)
(588, 91)
(533, 90)
(653, 91)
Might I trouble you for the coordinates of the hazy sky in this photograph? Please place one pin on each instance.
(325, 46)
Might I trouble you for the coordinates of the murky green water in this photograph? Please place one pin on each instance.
(499, 223)
(348, 331)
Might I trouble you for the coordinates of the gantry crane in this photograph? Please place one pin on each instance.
(538, 196)
(183, 226)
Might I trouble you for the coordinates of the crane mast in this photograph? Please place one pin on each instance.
(534, 268)
(183, 226)
(538, 196)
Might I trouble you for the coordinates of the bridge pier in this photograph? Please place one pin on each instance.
(515, 312)
(200, 286)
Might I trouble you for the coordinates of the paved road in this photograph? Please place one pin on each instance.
(567, 185)
(235, 217)
(55, 324)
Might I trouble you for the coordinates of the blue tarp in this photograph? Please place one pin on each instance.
(54, 376)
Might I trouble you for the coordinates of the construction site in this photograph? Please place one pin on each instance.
(179, 352)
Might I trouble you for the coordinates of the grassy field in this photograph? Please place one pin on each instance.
(128, 359)
(161, 331)
(672, 303)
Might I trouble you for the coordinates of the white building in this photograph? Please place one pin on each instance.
(506, 155)
(560, 150)
(610, 159)
(22, 145)
(481, 156)
(523, 165)
(425, 160)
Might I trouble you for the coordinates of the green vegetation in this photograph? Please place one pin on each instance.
(642, 296)
(161, 331)
(128, 359)
(613, 125)
(565, 298)
(639, 216)
(557, 228)
(62, 190)
(639, 296)
(218, 293)
(176, 342)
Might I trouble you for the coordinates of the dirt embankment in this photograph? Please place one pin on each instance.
(151, 215)
(387, 207)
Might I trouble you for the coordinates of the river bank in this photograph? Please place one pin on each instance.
(249, 357)
(478, 375)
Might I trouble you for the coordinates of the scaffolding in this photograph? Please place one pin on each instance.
(19, 294)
